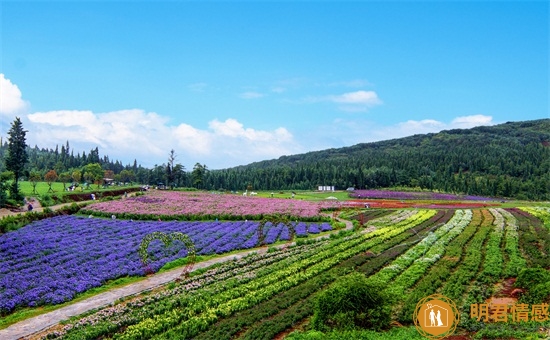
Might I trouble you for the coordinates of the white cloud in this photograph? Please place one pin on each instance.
(251, 95)
(351, 101)
(366, 98)
(466, 122)
(148, 137)
(11, 101)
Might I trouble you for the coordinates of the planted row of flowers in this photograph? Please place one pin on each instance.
(440, 271)
(493, 264)
(412, 195)
(428, 250)
(433, 253)
(52, 260)
(534, 238)
(200, 205)
(514, 259)
(542, 213)
(459, 280)
(394, 218)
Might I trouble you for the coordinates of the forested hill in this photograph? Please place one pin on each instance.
(506, 160)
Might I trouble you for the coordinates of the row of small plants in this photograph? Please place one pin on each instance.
(427, 250)
(541, 213)
(534, 239)
(433, 253)
(439, 272)
(456, 285)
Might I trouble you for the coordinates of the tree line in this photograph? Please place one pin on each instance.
(18, 161)
(509, 160)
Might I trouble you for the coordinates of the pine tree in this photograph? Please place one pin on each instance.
(17, 156)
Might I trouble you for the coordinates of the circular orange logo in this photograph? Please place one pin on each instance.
(436, 316)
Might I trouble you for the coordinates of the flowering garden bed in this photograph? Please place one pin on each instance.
(207, 206)
(51, 260)
(416, 195)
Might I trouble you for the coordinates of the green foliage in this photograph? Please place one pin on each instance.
(350, 303)
(530, 277)
(409, 333)
(4, 178)
(536, 282)
(17, 156)
(46, 200)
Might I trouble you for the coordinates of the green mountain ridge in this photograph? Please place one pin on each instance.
(506, 160)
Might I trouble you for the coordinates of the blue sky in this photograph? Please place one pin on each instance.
(229, 83)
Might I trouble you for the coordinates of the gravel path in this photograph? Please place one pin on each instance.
(28, 327)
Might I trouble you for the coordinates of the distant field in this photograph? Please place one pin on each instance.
(57, 188)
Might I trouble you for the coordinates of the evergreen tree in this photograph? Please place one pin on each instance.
(17, 156)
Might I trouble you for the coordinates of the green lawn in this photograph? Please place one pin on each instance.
(304, 194)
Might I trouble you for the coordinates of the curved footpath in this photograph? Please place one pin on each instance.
(42, 322)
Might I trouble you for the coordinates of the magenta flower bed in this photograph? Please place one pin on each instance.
(169, 203)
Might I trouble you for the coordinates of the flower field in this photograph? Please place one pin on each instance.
(464, 254)
(413, 195)
(52, 260)
(200, 205)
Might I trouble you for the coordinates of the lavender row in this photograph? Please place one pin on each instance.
(52, 260)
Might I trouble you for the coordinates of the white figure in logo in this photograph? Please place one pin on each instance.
(439, 323)
(432, 318)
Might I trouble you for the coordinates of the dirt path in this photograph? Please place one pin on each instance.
(28, 327)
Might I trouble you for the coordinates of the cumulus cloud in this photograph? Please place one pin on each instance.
(11, 100)
(367, 98)
(148, 137)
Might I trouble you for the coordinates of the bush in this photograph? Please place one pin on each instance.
(536, 282)
(530, 277)
(352, 302)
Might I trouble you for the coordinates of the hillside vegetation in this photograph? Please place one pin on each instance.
(506, 160)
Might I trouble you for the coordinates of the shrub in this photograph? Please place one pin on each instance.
(352, 302)
(536, 282)
(530, 277)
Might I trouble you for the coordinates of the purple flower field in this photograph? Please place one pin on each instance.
(50, 261)
(411, 195)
